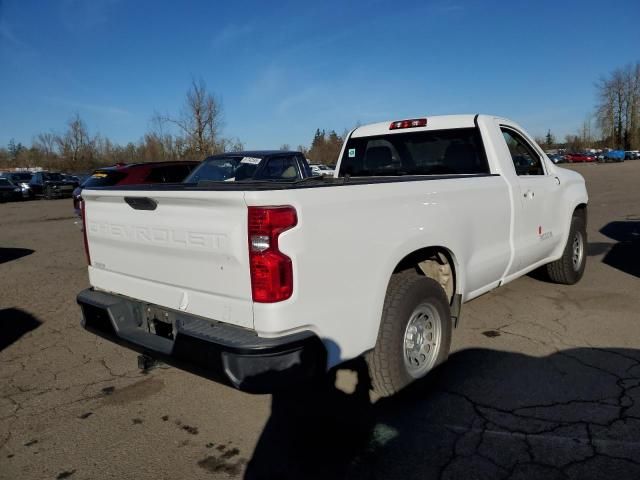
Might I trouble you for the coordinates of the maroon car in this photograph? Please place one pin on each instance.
(579, 157)
(134, 174)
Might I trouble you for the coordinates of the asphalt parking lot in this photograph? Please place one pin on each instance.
(543, 381)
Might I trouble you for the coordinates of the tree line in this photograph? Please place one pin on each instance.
(191, 134)
(618, 110)
(615, 122)
(195, 132)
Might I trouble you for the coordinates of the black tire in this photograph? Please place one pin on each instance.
(564, 270)
(407, 292)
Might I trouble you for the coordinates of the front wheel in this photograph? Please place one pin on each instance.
(569, 268)
(414, 335)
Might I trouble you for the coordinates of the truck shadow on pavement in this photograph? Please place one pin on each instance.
(483, 414)
(9, 254)
(14, 323)
(624, 255)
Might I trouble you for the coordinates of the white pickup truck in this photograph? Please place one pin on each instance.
(222, 278)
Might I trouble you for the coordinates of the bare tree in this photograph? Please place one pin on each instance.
(618, 110)
(632, 92)
(230, 145)
(574, 143)
(46, 143)
(75, 145)
(200, 120)
(586, 132)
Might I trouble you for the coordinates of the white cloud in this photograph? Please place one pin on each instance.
(267, 83)
(12, 41)
(230, 33)
(105, 110)
(86, 14)
(307, 96)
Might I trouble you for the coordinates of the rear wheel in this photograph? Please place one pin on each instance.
(569, 268)
(414, 335)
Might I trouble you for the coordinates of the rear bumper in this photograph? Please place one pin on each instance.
(221, 352)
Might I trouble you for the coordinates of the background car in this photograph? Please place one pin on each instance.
(579, 157)
(266, 165)
(20, 179)
(135, 173)
(555, 158)
(614, 156)
(50, 185)
(71, 178)
(320, 169)
(9, 190)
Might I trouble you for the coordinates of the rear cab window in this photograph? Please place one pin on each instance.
(435, 152)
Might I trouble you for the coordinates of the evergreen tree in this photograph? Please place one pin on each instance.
(550, 140)
(14, 149)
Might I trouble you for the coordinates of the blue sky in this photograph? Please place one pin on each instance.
(283, 69)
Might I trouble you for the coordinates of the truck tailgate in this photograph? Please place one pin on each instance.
(183, 250)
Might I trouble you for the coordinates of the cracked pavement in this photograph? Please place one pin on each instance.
(543, 380)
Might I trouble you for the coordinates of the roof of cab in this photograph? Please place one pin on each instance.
(437, 122)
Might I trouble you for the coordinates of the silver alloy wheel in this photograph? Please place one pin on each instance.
(577, 251)
(422, 338)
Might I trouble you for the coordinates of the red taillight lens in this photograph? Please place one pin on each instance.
(411, 123)
(84, 229)
(271, 270)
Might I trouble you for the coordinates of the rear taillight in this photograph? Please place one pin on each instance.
(84, 229)
(271, 270)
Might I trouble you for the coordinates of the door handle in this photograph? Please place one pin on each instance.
(529, 194)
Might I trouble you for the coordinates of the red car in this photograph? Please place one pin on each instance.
(579, 157)
(135, 174)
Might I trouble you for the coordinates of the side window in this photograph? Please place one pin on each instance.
(168, 174)
(525, 159)
(156, 175)
(176, 173)
(305, 166)
(280, 168)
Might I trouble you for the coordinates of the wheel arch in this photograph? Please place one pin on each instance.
(437, 253)
(580, 208)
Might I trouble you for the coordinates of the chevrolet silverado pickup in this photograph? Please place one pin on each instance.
(221, 278)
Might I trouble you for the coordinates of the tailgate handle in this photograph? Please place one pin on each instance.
(141, 203)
